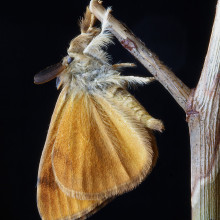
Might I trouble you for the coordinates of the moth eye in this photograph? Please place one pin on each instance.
(69, 60)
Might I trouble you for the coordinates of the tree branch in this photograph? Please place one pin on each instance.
(205, 133)
(166, 77)
(209, 80)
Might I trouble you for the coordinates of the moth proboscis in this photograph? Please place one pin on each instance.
(99, 143)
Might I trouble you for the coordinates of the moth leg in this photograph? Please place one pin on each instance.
(133, 80)
(94, 49)
(87, 22)
(93, 20)
(122, 65)
(128, 101)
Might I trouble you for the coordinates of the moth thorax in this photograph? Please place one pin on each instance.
(79, 43)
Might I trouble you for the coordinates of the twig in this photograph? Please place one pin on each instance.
(166, 77)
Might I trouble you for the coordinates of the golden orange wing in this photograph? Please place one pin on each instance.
(53, 204)
(100, 150)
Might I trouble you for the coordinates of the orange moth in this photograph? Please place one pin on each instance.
(99, 144)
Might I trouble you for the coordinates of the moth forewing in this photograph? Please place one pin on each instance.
(117, 149)
(53, 203)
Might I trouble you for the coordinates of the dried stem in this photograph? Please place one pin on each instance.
(201, 106)
(205, 134)
(177, 89)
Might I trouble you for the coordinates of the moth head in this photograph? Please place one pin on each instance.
(75, 50)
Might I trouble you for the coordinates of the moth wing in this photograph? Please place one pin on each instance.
(52, 202)
(107, 151)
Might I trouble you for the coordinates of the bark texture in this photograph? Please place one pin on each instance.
(204, 127)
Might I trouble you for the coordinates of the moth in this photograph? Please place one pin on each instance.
(100, 142)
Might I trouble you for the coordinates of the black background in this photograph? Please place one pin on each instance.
(36, 34)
